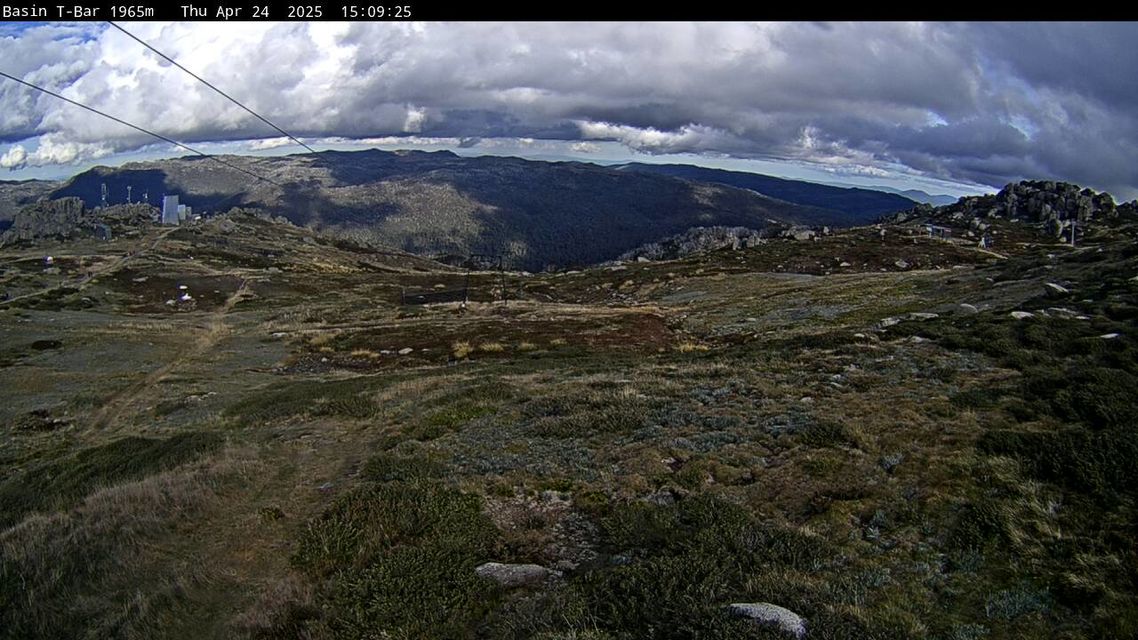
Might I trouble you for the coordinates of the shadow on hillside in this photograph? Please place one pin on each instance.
(146, 185)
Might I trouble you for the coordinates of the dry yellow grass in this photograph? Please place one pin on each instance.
(689, 347)
(492, 347)
(526, 346)
(461, 349)
(322, 339)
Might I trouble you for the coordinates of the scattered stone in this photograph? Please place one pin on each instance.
(1056, 291)
(890, 462)
(968, 308)
(806, 400)
(845, 264)
(405, 351)
(923, 316)
(325, 488)
(901, 264)
(888, 322)
(662, 498)
(273, 270)
(1109, 336)
(766, 614)
(642, 259)
(1022, 315)
(514, 575)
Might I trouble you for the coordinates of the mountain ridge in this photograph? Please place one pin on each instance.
(854, 205)
(534, 214)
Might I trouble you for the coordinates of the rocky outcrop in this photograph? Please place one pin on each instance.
(1056, 207)
(68, 218)
(47, 218)
(696, 240)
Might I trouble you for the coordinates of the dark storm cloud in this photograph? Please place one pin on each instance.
(986, 103)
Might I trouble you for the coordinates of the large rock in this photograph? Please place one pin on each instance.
(1056, 291)
(772, 615)
(514, 575)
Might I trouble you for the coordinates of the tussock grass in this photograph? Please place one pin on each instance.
(64, 482)
(94, 570)
(681, 564)
(691, 347)
(398, 558)
(461, 349)
(348, 398)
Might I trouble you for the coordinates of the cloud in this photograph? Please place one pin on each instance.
(15, 158)
(414, 121)
(688, 138)
(269, 143)
(981, 103)
(584, 147)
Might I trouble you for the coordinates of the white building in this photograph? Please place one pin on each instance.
(170, 209)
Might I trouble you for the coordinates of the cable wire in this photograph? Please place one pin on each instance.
(138, 128)
(206, 83)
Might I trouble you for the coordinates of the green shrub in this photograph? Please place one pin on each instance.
(681, 564)
(397, 559)
(586, 414)
(828, 434)
(388, 467)
(1099, 463)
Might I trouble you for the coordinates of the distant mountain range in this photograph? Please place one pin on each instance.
(16, 194)
(937, 200)
(534, 214)
(851, 205)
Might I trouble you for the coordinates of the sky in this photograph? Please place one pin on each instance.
(950, 108)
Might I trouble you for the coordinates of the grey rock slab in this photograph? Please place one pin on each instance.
(514, 575)
(768, 614)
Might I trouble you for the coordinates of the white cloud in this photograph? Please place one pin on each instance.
(269, 143)
(584, 147)
(688, 138)
(15, 158)
(414, 121)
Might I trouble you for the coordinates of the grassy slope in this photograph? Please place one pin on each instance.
(733, 427)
